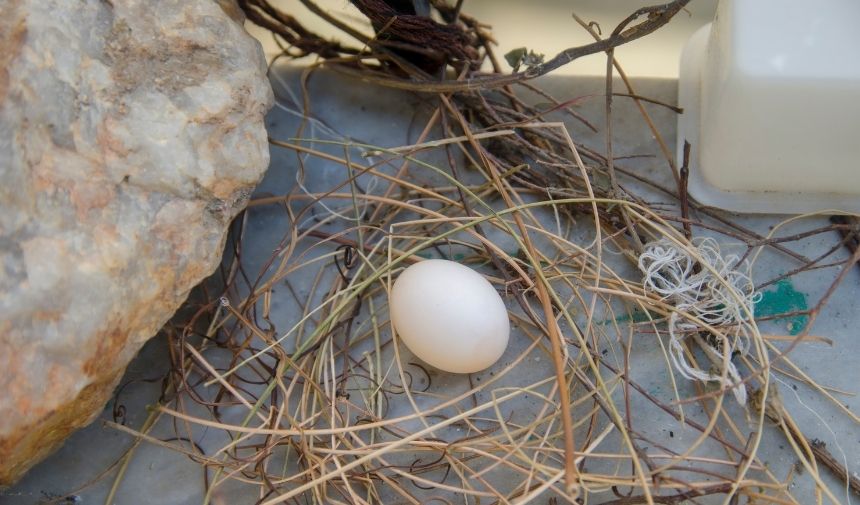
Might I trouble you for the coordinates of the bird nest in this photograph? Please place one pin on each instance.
(290, 367)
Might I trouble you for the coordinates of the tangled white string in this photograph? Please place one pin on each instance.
(715, 289)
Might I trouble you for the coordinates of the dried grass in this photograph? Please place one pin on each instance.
(331, 409)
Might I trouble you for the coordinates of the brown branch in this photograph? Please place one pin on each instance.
(775, 411)
(671, 499)
(657, 16)
(419, 31)
(673, 108)
(261, 13)
(824, 457)
(682, 192)
(851, 234)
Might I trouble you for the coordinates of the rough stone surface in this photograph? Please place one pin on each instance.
(131, 132)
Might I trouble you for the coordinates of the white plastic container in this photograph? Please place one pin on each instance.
(771, 98)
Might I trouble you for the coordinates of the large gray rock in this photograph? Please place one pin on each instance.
(131, 132)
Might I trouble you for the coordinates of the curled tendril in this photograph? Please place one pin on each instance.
(349, 257)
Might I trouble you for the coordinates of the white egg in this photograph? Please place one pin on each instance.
(450, 316)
